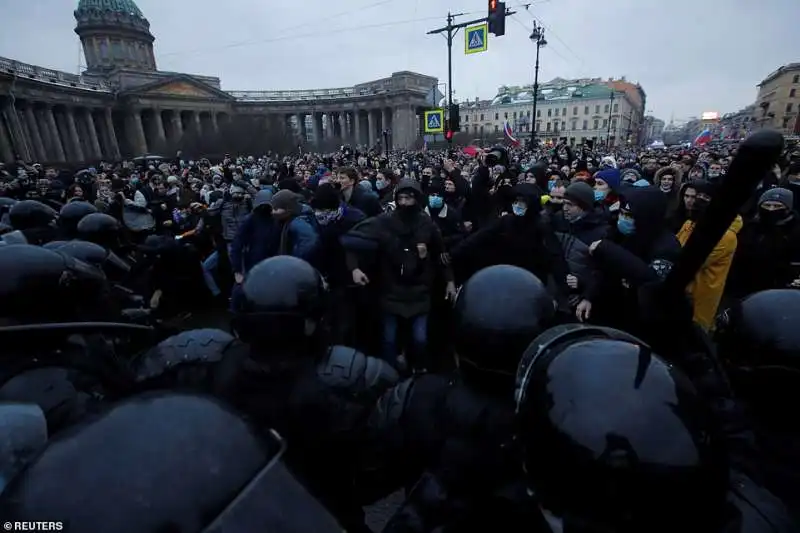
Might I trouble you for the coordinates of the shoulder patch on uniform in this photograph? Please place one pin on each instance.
(347, 368)
(662, 267)
(193, 346)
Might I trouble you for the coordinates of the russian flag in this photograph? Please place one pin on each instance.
(703, 138)
(509, 133)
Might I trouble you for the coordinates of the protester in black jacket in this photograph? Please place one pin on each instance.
(365, 201)
(640, 249)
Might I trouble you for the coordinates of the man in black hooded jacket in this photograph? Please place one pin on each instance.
(410, 251)
(638, 250)
(521, 238)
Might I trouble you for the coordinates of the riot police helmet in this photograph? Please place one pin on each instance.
(101, 229)
(758, 339)
(40, 285)
(30, 214)
(181, 463)
(498, 312)
(90, 253)
(615, 436)
(283, 298)
(71, 214)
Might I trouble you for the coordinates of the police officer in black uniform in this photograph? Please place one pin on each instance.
(759, 342)
(33, 222)
(70, 215)
(455, 431)
(54, 318)
(615, 438)
(282, 374)
(162, 462)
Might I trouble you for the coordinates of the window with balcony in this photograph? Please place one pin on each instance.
(549, 112)
(538, 126)
(574, 111)
(586, 110)
(564, 112)
(586, 124)
(596, 124)
(497, 116)
(505, 115)
(792, 93)
(796, 78)
(528, 114)
(616, 108)
(605, 109)
(614, 124)
(548, 126)
(466, 118)
(789, 108)
(481, 117)
(539, 113)
(556, 112)
(496, 128)
(605, 123)
(574, 124)
(597, 110)
(515, 115)
(481, 128)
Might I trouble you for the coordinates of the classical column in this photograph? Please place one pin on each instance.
(301, 126)
(177, 126)
(94, 141)
(214, 123)
(198, 127)
(158, 127)
(404, 127)
(317, 128)
(17, 135)
(6, 152)
(56, 146)
(371, 127)
(357, 126)
(36, 137)
(135, 132)
(111, 135)
(72, 131)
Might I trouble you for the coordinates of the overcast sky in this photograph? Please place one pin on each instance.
(689, 55)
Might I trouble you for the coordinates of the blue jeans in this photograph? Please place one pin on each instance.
(209, 266)
(419, 338)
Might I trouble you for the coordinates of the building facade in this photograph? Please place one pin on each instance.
(122, 106)
(575, 110)
(653, 129)
(778, 101)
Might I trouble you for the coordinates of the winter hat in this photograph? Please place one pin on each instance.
(287, 200)
(608, 162)
(780, 195)
(172, 180)
(581, 194)
(630, 174)
(326, 197)
(263, 197)
(610, 176)
(641, 183)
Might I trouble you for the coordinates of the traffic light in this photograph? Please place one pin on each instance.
(497, 18)
(455, 119)
(448, 135)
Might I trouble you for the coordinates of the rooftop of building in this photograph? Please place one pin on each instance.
(791, 67)
(127, 7)
(557, 89)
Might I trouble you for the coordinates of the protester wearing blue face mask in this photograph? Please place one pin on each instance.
(448, 220)
(639, 249)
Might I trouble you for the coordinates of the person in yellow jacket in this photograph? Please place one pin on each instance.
(709, 283)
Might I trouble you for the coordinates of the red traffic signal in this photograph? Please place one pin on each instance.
(492, 6)
(448, 135)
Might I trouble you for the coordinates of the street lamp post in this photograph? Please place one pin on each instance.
(610, 112)
(537, 36)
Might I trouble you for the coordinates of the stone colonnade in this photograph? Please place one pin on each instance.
(358, 127)
(40, 131)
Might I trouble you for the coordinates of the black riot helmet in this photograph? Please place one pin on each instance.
(71, 214)
(101, 229)
(284, 299)
(90, 253)
(39, 285)
(30, 214)
(758, 339)
(498, 312)
(616, 437)
(182, 463)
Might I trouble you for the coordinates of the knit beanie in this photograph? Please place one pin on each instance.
(287, 200)
(581, 194)
(326, 197)
(780, 195)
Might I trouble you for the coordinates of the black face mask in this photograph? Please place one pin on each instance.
(772, 216)
(699, 208)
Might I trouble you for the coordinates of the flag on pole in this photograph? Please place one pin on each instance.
(703, 138)
(510, 134)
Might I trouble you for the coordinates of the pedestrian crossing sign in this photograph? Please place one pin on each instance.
(434, 121)
(476, 39)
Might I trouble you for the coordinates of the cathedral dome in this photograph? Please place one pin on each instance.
(115, 34)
